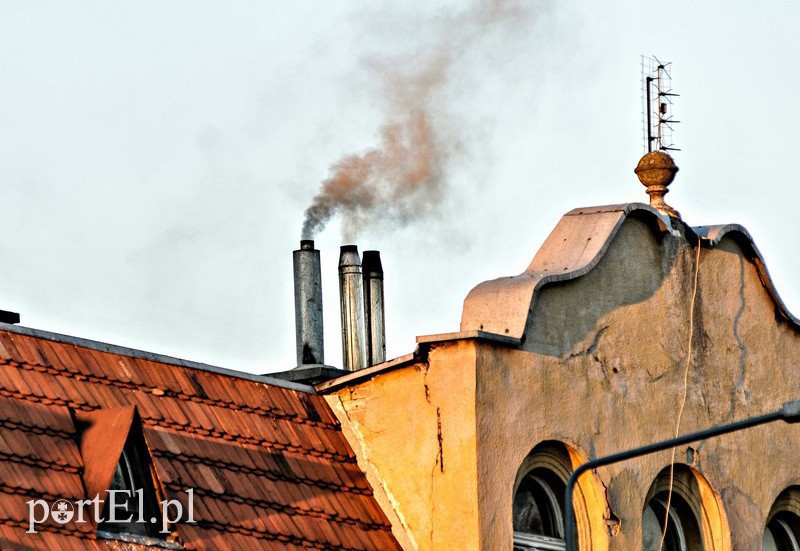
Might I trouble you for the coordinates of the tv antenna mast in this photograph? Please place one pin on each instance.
(657, 97)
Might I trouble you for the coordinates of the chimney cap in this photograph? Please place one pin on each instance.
(306, 244)
(348, 257)
(371, 262)
(9, 317)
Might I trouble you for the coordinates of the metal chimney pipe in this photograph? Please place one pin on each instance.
(351, 293)
(308, 305)
(373, 308)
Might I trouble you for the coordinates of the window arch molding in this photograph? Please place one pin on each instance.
(694, 503)
(782, 529)
(548, 467)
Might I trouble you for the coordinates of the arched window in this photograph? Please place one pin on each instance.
(538, 510)
(682, 531)
(538, 502)
(685, 520)
(782, 532)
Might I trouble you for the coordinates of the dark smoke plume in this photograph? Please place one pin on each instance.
(402, 178)
(395, 181)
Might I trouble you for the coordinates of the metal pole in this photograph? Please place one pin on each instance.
(648, 80)
(790, 412)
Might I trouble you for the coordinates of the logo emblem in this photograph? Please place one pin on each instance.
(62, 511)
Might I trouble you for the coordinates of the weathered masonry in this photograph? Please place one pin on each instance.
(622, 312)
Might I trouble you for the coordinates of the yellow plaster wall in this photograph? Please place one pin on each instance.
(603, 371)
(416, 429)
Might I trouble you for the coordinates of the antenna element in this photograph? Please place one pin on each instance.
(657, 97)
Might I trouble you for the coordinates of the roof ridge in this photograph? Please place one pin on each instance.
(267, 473)
(152, 356)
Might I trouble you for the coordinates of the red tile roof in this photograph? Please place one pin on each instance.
(268, 463)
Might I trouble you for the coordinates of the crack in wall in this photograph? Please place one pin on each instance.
(425, 382)
(440, 459)
(739, 384)
(433, 503)
(592, 348)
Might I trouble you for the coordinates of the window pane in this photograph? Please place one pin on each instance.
(653, 528)
(537, 508)
(779, 534)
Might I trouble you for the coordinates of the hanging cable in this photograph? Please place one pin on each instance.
(683, 398)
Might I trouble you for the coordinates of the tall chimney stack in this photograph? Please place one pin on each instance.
(351, 292)
(308, 305)
(373, 308)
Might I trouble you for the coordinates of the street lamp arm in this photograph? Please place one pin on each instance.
(790, 413)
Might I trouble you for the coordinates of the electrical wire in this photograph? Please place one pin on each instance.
(683, 398)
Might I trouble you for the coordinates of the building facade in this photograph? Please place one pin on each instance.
(628, 328)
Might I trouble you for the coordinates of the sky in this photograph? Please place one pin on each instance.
(157, 158)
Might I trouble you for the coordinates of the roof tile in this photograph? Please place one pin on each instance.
(269, 465)
(10, 346)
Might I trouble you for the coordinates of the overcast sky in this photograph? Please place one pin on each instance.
(156, 158)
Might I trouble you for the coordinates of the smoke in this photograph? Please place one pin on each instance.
(396, 181)
(403, 177)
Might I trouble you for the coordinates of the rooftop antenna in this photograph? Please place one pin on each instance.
(657, 97)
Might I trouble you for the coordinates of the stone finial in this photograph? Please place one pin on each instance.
(656, 170)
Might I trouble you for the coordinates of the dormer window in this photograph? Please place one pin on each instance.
(119, 472)
(131, 494)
